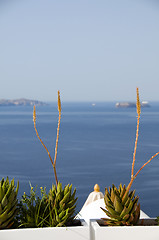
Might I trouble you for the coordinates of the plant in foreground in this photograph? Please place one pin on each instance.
(33, 209)
(59, 205)
(8, 203)
(121, 204)
(55, 209)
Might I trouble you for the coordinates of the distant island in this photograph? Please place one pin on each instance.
(21, 102)
(131, 104)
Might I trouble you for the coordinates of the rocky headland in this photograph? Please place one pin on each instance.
(21, 102)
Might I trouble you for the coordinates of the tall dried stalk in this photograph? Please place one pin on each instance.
(58, 127)
(138, 107)
(57, 137)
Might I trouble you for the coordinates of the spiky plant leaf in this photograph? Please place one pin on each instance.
(61, 211)
(122, 210)
(8, 203)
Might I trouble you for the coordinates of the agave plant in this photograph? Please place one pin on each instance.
(61, 205)
(55, 209)
(122, 211)
(8, 203)
(122, 206)
(61, 202)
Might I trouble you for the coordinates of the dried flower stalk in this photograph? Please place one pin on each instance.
(57, 138)
(146, 164)
(34, 120)
(58, 127)
(138, 107)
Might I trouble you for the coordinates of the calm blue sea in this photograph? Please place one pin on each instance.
(95, 146)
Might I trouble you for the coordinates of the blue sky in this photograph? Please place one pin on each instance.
(90, 50)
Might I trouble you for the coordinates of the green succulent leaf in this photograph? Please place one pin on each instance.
(54, 209)
(122, 211)
(8, 203)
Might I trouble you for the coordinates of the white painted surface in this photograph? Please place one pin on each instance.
(94, 211)
(93, 196)
(123, 233)
(56, 233)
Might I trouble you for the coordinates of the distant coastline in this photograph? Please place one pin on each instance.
(21, 102)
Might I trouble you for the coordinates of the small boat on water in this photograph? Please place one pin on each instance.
(131, 104)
